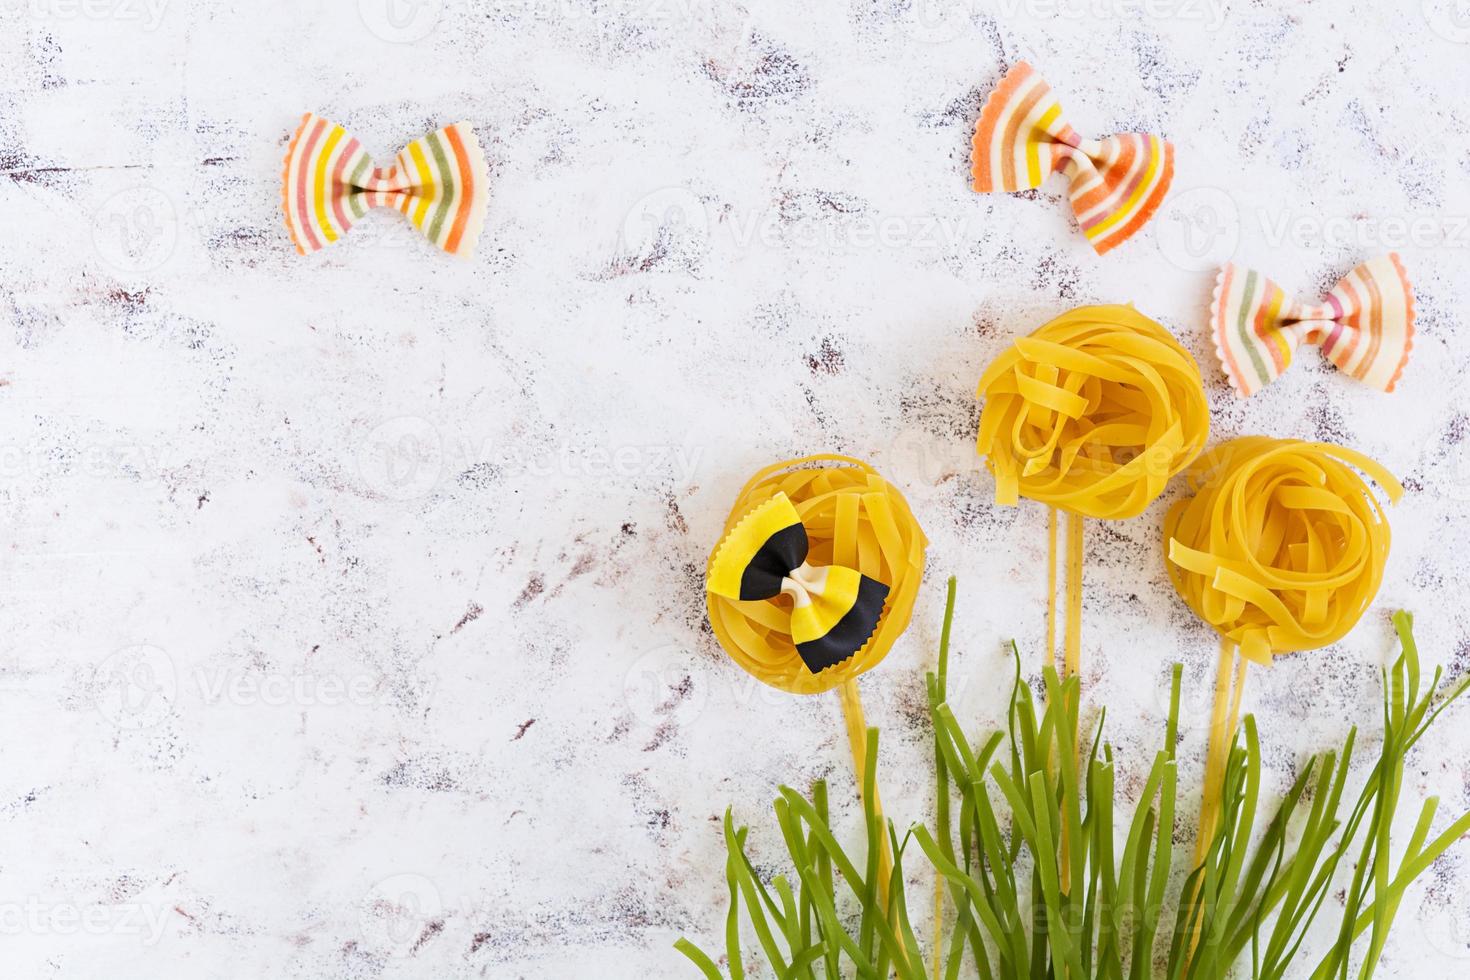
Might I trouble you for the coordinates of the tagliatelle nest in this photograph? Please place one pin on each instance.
(853, 518)
(1092, 413)
(1283, 545)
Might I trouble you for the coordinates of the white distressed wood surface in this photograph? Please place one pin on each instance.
(351, 605)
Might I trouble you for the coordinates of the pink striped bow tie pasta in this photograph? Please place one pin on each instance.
(1117, 183)
(1365, 327)
(438, 182)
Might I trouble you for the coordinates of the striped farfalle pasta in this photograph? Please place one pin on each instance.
(438, 182)
(1365, 327)
(852, 519)
(1117, 183)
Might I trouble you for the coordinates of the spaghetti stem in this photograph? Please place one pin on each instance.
(1229, 680)
(857, 741)
(1051, 586)
(1074, 595)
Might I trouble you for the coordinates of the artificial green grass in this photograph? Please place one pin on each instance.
(1025, 836)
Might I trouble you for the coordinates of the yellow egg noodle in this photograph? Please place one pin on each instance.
(1091, 414)
(813, 580)
(853, 519)
(1281, 549)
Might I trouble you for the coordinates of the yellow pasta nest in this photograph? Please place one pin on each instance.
(853, 518)
(1283, 544)
(1092, 413)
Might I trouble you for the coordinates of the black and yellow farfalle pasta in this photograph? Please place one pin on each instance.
(816, 573)
(834, 610)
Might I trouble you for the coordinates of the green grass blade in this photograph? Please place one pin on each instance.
(705, 964)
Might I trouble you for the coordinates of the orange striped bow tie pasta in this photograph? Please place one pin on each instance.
(1117, 183)
(329, 182)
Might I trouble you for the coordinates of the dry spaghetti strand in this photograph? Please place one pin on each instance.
(1229, 687)
(1051, 586)
(857, 742)
(1072, 657)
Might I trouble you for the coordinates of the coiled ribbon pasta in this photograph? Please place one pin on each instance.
(853, 520)
(1092, 413)
(1281, 548)
(1283, 545)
